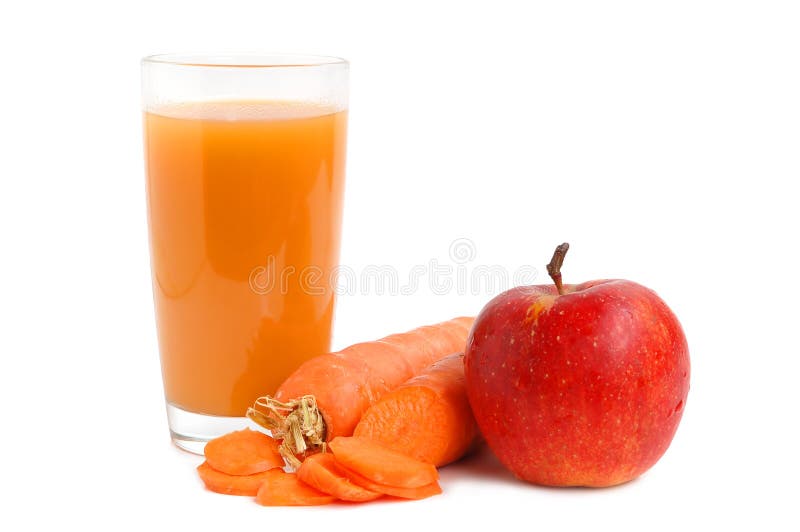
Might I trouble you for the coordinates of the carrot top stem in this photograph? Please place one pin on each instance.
(297, 423)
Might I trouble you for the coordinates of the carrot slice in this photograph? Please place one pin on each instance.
(321, 471)
(243, 452)
(220, 482)
(381, 465)
(428, 417)
(421, 492)
(285, 489)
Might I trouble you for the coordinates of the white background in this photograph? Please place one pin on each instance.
(659, 138)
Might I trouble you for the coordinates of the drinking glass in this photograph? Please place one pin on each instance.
(245, 164)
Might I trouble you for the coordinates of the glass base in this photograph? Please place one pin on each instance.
(191, 431)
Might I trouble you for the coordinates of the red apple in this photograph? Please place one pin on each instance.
(577, 385)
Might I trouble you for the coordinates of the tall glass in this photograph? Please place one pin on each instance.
(245, 159)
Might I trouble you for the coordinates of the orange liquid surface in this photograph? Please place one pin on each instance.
(243, 197)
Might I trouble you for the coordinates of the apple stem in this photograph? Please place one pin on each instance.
(554, 268)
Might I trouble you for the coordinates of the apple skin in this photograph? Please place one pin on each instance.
(581, 389)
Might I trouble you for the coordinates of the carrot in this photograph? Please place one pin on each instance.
(326, 396)
(427, 418)
(428, 490)
(224, 483)
(381, 465)
(243, 452)
(285, 489)
(321, 471)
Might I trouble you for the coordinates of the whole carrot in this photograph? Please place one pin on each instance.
(326, 396)
(428, 417)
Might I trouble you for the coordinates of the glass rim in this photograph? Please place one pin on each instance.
(244, 60)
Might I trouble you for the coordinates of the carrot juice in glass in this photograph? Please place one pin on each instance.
(245, 161)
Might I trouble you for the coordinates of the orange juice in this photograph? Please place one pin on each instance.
(245, 198)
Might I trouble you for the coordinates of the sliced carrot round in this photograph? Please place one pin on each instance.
(285, 489)
(421, 492)
(243, 452)
(427, 418)
(220, 482)
(323, 473)
(382, 465)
